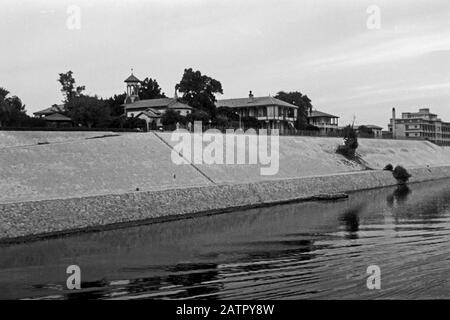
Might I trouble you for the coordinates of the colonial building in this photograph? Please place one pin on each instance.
(151, 110)
(420, 125)
(324, 121)
(270, 112)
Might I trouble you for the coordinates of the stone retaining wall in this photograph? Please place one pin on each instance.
(28, 220)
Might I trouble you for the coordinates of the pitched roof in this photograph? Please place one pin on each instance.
(51, 110)
(57, 117)
(253, 102)
(320, 114)
(132, 78)
(179, 105)
(151, 113)
(157, 103)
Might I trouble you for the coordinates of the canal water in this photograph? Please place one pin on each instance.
(312, 250)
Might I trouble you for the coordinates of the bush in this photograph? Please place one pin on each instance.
(171, 117)
(401, 175)
(198, 115)
(250, 122)
(348, 149)
(221, 120)
(389, 167)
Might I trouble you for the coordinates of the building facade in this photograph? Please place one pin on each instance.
(150, 110)
(270, 112)
(326, 122)
(373, 131)
(420, 125)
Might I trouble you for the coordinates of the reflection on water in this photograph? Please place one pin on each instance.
(306, 250)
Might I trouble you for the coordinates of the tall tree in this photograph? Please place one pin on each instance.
(69, 88)
(150, 89)
(199, 91)
(301, 101)
(89, 111)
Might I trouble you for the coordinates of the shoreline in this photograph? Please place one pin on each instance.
(45, 219)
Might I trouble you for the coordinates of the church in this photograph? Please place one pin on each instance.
(150, 110)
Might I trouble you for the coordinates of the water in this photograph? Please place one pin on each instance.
(296, 251)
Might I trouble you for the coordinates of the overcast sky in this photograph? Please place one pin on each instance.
(322, 48)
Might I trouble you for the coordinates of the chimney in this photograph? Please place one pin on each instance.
(250, 94)
(394, 126)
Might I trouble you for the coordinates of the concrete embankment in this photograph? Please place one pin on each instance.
(117, 181)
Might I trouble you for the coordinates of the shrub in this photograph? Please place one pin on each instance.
(171, 117)
(389, 167)
(198, 115)
(348, 149)
(250, 122)
(401, 175)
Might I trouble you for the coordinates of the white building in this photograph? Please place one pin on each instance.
(150, 110)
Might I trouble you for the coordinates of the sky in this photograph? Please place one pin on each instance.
(350, 61)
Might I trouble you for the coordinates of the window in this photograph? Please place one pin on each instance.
(275, 113)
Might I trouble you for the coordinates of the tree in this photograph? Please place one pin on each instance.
(348, 149)
(171, 117)
(198, 115)
(89, 111)
(350, 137)
(12, 110)
(115, 104)
(150, 89)
(69, 89)
(226, 117)
(3, 93)
(401, 175)
(302, 102)
(199, 91)
(228, 112)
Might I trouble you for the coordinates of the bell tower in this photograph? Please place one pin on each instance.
(133, 84)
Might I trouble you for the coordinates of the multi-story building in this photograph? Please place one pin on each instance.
(270, 112)
(420, 125)
(324, 121)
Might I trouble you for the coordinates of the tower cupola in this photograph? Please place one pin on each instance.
(133, 84)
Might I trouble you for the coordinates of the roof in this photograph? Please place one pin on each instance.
(132, 78)
(179, 105)
(53, 109)
(157, 103)
(150, 113)
(57, 117)
(320, 114)
(253, 102)
(371, 126)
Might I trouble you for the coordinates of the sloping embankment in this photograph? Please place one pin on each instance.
(89, 184)
(11, 139)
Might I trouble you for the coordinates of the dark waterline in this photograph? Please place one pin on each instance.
(295, 251)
